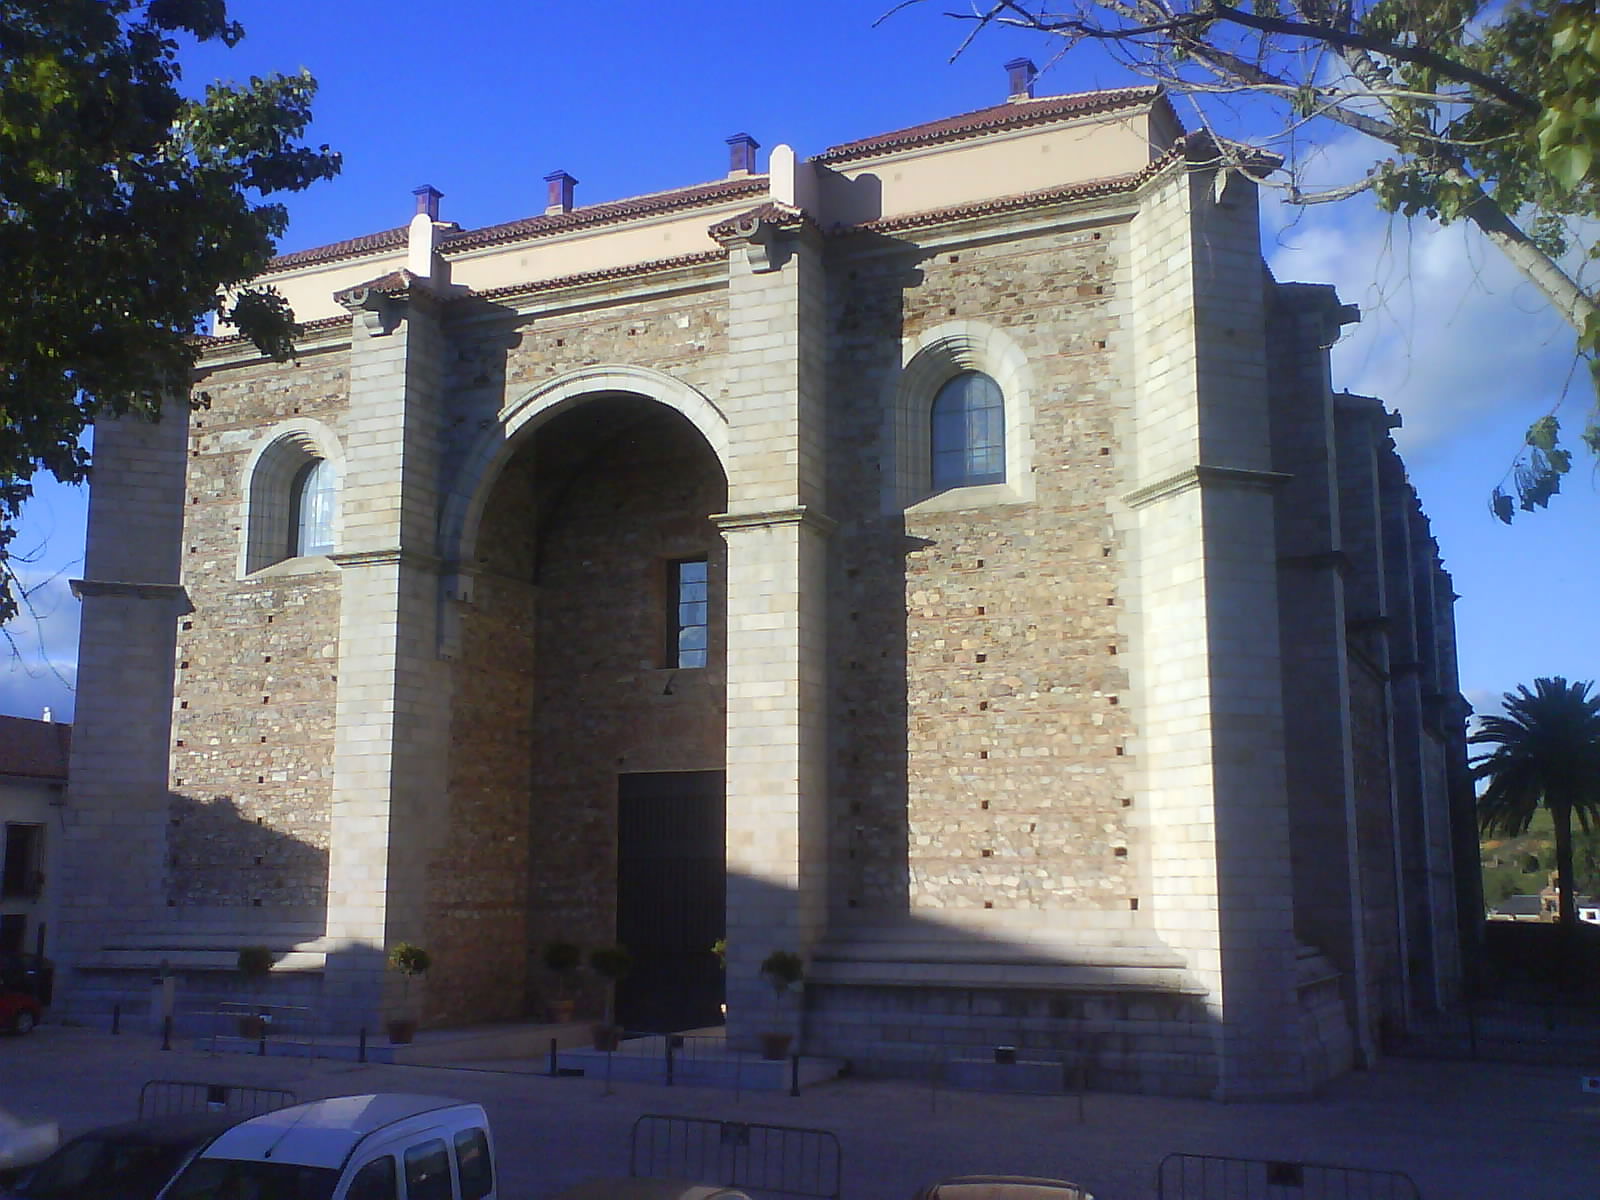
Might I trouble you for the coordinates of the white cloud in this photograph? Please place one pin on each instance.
(1451, 334)
(41, 649)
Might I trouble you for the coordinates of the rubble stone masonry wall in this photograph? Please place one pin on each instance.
(977, 680)
(253, 716)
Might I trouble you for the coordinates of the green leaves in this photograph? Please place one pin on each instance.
(125, 210)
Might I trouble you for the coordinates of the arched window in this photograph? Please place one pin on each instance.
(291, 498)
(958, 421)
(968, 433)
(311, 499)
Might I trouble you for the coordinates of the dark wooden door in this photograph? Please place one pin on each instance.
(671, 898)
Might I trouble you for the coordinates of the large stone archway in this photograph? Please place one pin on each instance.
(566, 686)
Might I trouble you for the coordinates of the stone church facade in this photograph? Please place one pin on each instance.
(944, 557)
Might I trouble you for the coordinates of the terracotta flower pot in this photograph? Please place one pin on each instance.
(401, 1031)
(561, 1011)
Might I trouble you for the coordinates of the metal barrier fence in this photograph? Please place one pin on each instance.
(280, 1024)
(1212, 1177)
(161, 1097)
(773, 1160)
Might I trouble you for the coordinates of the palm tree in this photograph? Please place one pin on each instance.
(1546, 754)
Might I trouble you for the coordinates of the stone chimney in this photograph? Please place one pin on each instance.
(560, 195)
(1020, 73)
(428, 198)
(742, 155)
(422, 238)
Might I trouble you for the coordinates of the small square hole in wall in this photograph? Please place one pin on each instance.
(955, 258)
(261, 820)
(263, 739)
(259, 860)
(261, 778)
(1127, 802)
(177, 783)
(1105, 451)
(256, 903)
(1111, 649)
(980, 562)
(1133, 904)
(980, 658)
(266, 699)
(266, 658)
(981, 610)
(1111, 601)
(983, 706)
(983, 754)
(949, 312)
(183, 665)
(988, 853)
(183, 704)
(983, 804)
(188, 624)
(1105, 551)
(1113, 701)
(180, 743)
(988, 903)
(269, 618)
(1120, 751)
(1121, 852)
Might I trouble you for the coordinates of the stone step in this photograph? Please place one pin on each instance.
(180, 959)
(1003, 976)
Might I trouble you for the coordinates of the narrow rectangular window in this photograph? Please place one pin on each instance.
(688, 613)
(23, 873)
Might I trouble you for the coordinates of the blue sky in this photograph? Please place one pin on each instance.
(483, 98)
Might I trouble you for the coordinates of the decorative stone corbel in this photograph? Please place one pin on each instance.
(754, 235)
(377, 305)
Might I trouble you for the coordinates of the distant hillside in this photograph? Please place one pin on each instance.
(1520, 866)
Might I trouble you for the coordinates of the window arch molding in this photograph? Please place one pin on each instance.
(928, 362)
(276, 466)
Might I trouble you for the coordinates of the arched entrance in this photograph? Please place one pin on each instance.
(590, 714)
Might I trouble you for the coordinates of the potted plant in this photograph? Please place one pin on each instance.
(411, 961)
(561, 959)
(255, 964)
(612, 963)
(783, 970)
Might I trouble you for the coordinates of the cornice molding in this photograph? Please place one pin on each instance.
(802, 514)
(1202, 476)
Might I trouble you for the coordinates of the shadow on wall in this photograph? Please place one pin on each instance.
(221, 856)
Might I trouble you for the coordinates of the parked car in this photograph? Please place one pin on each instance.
(131, 1161)
(349, 1148)
(19, 1011)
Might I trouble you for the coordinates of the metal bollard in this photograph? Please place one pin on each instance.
(670, 1039)
(166, 1032)
(361, 1051)
(794, 1075)
(552, 1057)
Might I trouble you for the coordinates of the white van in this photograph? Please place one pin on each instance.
(390, 1146)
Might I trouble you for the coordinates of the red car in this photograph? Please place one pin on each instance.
(19, 1011)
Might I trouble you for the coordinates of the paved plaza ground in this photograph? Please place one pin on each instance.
(1462, 1131)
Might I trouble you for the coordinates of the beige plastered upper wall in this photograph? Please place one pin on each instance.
(894, 183)
(1008, 163)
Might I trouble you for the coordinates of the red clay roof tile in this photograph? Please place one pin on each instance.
(34, 749)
